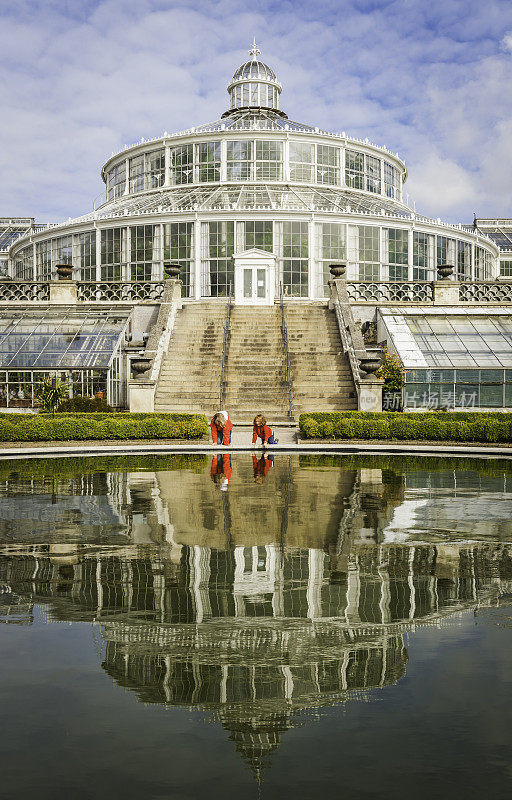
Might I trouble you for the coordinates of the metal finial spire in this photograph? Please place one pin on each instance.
(254, 52)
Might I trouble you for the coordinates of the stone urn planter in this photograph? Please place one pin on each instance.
(445, 271)
(369, 364)
(64, 271)
(172, 270)
(140, 365)
(337, 270)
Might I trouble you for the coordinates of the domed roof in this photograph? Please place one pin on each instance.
(254, 69)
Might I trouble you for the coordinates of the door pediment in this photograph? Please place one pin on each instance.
(254, 256)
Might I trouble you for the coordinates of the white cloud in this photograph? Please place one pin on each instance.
(432, 81)
(506, 42)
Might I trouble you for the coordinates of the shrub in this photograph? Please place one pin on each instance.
(50, 393)
(326, 429)
(80, 427)
(310, 429)
(391, 371)
(489, 427)
(89, 405)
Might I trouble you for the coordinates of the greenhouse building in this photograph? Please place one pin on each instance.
(254, 209)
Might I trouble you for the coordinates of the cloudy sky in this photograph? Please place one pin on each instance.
(432, 80)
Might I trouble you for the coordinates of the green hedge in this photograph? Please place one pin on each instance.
(401, 464)
(80, 427)
(427, 426)
(88, 405)
(65, 468)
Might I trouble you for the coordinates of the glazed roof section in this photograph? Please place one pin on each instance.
(60, 339)
(242, 196)
(255, 197)
(11, 229)
(462, 340)
(499, 230)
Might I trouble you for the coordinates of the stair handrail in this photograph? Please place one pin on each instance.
(225, 343)
(346, 343)
(284, 332)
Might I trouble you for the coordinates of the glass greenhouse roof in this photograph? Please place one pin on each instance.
(242, 196)
(255, 121)
(50, 339)
(9, 234)
(451, 341)
(500, 231)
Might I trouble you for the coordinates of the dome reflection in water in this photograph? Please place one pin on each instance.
(260, 596)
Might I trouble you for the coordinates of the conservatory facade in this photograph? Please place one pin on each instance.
(254, 179)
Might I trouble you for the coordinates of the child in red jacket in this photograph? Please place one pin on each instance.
(262, 467)
(221, 470)
(221, 427)
(261, 429)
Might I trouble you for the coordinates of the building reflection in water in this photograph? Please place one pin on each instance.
(254, 608)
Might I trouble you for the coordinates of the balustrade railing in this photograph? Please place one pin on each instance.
(225, 343)
(485, 292)
(391, 291)
(284, 331)
(347, 344)
(24, 292)
(119, 291)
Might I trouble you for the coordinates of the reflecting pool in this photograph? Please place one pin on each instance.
(189, 627)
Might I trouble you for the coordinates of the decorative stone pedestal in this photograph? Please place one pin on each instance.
(141, 396)
(63, 293)
(370, 394)
(446, 293)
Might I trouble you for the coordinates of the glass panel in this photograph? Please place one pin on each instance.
(221, 245)
(466, 396)
(178, 246)
(491, 376)
(442, 376)
(467, 375)
(302, 158)
(295, 258)
(239, 159)
(491, 396)
(269, 159)
(261, 279)
(248, 283)
(182, 164)
(208, 162)
(354, 169)
(259, 234)
(416, 376)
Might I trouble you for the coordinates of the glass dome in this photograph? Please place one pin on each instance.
(254, 85)
(254, 69)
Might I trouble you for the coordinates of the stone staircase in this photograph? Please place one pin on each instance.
(190, 373)
(255, 370)
(321, 375)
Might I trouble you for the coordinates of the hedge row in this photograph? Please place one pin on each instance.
(429, 426)
(400, 464)
(64, 468)
(79, 427)
(324, 416)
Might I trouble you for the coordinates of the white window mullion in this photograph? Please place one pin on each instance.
(167, 179)
(410, 250)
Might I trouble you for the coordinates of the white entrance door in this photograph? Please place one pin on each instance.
(254, 278)
(255, 286)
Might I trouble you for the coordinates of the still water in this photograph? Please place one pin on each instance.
(186, 627)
